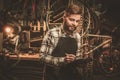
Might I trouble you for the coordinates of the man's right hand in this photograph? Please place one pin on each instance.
(70, 58)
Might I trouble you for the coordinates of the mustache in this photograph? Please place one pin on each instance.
(73, 27)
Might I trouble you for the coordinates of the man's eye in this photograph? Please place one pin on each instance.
(71, 19)
(78, 21)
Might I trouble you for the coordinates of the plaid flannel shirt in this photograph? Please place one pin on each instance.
(50, 41)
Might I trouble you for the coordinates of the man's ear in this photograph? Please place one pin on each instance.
(64, 16)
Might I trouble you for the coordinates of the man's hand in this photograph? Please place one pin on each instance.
(69, 58)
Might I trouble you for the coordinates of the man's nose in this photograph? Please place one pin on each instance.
(75, 23)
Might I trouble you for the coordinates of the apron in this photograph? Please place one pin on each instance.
(67, 72)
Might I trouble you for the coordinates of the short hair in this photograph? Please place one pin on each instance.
(73, 9)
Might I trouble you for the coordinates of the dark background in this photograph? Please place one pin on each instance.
(113, 9)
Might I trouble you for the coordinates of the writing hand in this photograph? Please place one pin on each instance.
(69, 58)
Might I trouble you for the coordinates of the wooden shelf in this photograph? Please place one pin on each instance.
(25, 56)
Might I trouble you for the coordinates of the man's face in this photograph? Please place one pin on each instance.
(71, 22)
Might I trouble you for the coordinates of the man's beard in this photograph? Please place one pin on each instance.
(69, 29)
